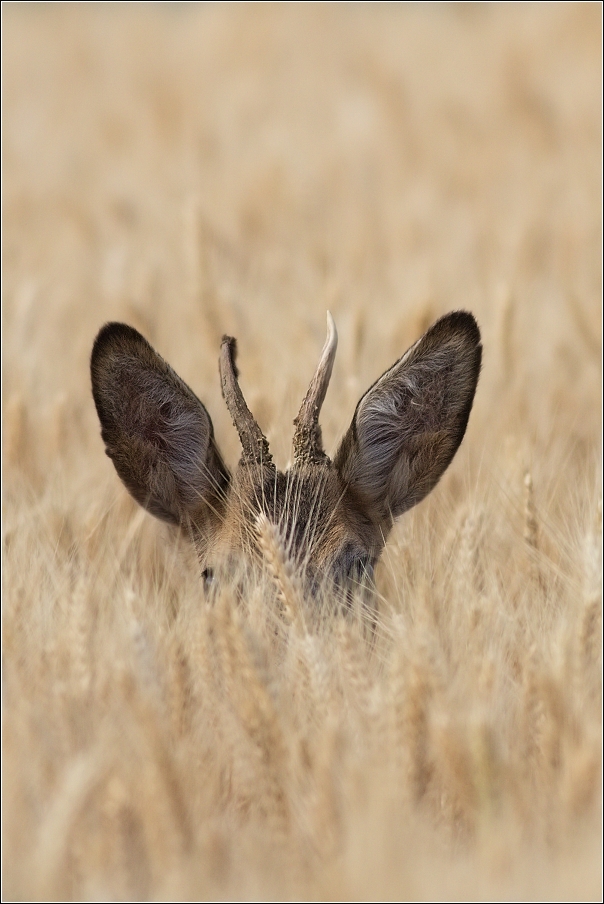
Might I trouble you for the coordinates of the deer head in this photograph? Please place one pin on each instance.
(332, 516)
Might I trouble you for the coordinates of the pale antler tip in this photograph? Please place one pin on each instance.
(332, 333)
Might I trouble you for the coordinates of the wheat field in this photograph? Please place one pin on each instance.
(203, 169)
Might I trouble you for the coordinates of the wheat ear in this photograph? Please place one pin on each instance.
(282, 571)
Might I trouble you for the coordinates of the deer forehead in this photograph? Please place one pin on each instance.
(311, 508)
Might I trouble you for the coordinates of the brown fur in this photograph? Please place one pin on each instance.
(332, 516)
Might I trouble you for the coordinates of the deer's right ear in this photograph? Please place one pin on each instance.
(409, 424)
(156, 431)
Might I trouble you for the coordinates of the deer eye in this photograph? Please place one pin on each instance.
(360, 569)
(354, 569)
(207, 576)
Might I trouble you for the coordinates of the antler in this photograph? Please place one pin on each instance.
(253, 440)
(308, 444)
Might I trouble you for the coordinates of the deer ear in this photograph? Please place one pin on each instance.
(156, 431)
(409, 424)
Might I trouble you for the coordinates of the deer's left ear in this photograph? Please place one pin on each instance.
(409, 424)
(156, 431)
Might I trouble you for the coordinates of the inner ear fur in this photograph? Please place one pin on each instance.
(156, 431)
(410, 423)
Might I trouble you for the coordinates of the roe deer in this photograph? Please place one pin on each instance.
(333, 517)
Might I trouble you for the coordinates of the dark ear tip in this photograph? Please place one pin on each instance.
(463, 322)
(111, 339)
(110, 334)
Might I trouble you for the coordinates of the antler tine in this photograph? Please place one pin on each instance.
(308, 444)
(253, 441)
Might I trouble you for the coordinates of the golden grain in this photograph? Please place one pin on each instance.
(237, 169)
(281, 570)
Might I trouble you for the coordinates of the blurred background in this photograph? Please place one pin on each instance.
(196, 169)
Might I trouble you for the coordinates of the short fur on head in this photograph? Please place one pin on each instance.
(333, 516)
